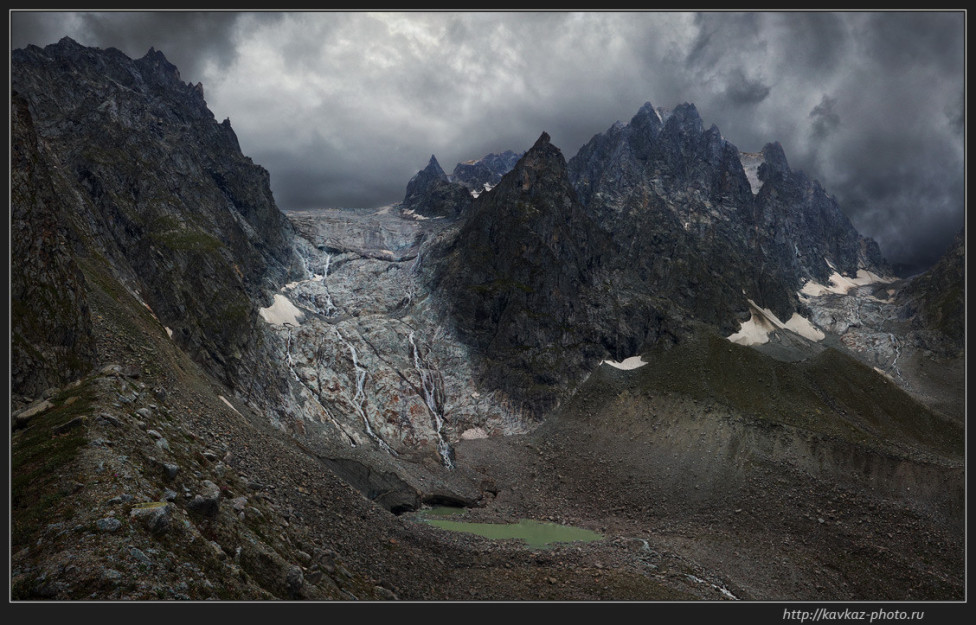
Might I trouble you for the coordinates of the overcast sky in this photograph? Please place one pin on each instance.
(343, 108)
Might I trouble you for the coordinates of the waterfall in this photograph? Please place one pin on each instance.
(894, 346)
(330, 307)
(359, 400)
(315, 395)
(429, 386)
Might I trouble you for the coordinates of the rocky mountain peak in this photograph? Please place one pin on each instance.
(201, 255)
(542, 158)
(648, 110)
(431, 193)
(434, 168)
(684, 119)
(482, 174)
(774, 162)
(526, 247)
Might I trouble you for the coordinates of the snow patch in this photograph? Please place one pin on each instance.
(282, 312)
(224, 399)
(412, 214)
(630, 363)
(473, 433)
(750, 164)
(485, 187)
(292, 285)
(755, 331)
(802, 326)
(842, 285)
(762, 321)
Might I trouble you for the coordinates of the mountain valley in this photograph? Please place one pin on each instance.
(686, 348)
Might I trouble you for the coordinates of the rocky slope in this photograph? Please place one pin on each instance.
(936, 302)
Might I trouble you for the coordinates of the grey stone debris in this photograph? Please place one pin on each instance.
(111, 370)
(385, 593)
(207, 501)
(170, 469)
(155, 516)
(21, 418)
(107, 418)
(108, 524)
(140, 556)
(70, 425)
(111, 575)
(294, 579)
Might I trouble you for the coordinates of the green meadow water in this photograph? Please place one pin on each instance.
(536, 534)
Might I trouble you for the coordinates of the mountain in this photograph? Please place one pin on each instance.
(430, 193)
(155, 193)
(684, 348)
(484, 173)
(52, 339)
(757, 226)
(433, 193)
(937, 301)
(517, 276)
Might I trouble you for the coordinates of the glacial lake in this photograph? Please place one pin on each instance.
(536, 534)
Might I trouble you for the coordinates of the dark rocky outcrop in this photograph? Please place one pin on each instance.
(936, 302)
(51, 339)
(485, 172)
(430, 193)
(157, 196)
(433, 193)
(665, 178)
(516, 278)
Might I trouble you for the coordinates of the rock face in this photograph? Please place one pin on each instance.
(433, 193)
(156, 193)
(486, 172)
(667, 188)
(430, 193)
(516, 279)
(936, 302)
(51, 338)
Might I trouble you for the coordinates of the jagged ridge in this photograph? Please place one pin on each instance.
(158, 193)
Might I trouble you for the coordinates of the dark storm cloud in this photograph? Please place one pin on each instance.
(825, 118)
(815, 44)
(740, 90)
(344, 107)
(898, 41)
(188, 38)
